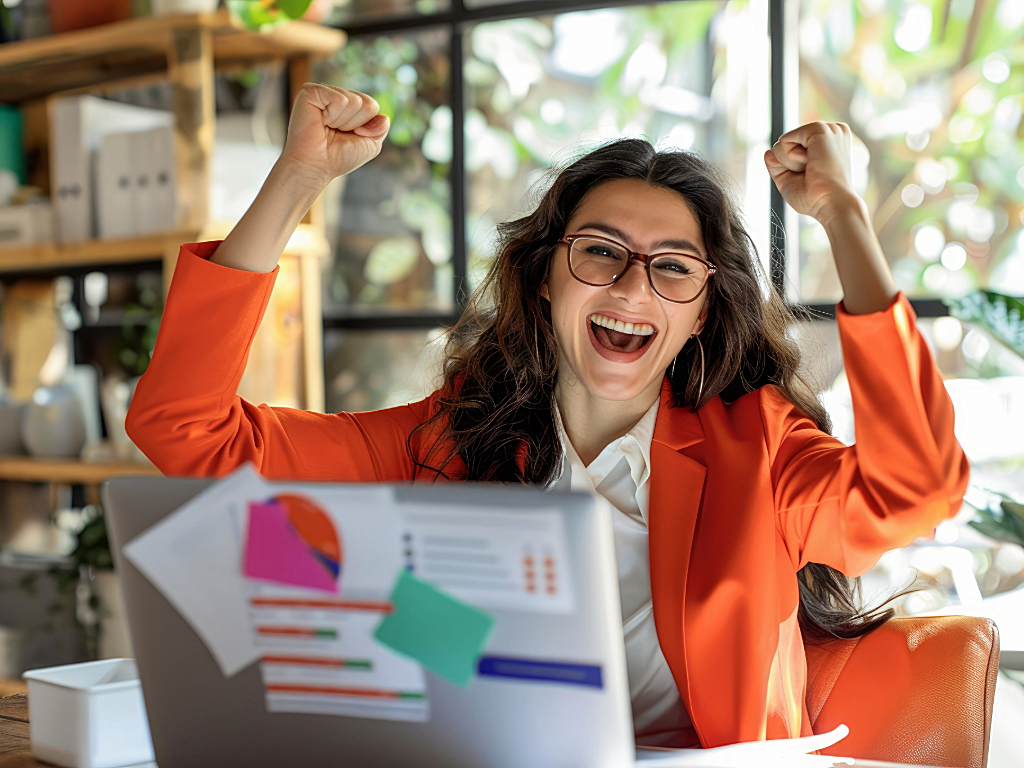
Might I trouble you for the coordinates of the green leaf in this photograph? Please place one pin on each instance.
(391, 260)
(1013, 517)
(253, 14)
(1000, 315)
(293, 9)
(1002, 523)
(93, 547)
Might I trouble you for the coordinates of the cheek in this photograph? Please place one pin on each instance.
(565, 297)
(683, 320)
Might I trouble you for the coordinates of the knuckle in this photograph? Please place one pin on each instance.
(367, 101)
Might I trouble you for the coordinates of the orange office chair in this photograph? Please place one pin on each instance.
(915, 690)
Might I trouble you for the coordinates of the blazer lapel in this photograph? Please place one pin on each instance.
(676, 488)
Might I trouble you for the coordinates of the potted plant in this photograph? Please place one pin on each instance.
(99, 606)
(258, 14)
(1001, 316)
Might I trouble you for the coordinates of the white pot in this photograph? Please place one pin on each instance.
(115, 641)
(53, 424)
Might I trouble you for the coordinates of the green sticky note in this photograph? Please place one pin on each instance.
(442, 633)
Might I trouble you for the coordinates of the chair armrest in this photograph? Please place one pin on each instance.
(916, 690)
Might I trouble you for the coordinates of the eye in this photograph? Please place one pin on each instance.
(599, 249)
(673, 267)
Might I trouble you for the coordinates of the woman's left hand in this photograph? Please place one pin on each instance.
(811, 167)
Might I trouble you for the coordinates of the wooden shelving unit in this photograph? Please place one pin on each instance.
(70, 471)
(306, 240)
(186, 50)
(107, 56)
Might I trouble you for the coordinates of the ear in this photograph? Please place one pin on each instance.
(544, 290)
(702, 319)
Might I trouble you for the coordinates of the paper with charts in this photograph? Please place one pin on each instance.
(504, 559)
(298, 576)
(321, 564)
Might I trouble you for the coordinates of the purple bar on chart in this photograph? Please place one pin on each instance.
(274, 551)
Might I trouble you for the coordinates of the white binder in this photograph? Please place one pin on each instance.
(135, 183)
(164, 213)
(77, 125)
(69, 172)
(140, 147)
(115, 186)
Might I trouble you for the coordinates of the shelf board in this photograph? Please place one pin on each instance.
(88, 252)
(28, 469)
(86, 58)
(51, 256)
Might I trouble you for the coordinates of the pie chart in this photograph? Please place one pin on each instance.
(292, 540)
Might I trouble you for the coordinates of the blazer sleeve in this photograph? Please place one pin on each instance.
(845, 506)
(186, 415)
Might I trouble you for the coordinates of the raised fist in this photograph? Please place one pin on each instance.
(331, 132)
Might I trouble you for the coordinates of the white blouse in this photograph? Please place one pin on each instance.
(620, 474)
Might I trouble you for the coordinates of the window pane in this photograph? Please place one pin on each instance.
(689, 74)
(390, 220)
(357, 11)
(937, 109)
(367, 370)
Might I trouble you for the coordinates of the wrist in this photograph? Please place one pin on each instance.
(298, 179)
(842, 211)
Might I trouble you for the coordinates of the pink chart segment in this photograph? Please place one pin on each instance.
(276, 552)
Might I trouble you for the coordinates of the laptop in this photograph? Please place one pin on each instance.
(526, 718)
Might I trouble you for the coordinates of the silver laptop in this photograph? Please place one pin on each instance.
(198, 717)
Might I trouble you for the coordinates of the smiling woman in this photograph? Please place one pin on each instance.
(626, 342)
(549, 322)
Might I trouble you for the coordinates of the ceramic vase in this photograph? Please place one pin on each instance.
(53, 425)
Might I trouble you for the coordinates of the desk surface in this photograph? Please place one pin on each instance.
(16, 751)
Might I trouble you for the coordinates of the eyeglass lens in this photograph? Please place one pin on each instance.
(674, 276)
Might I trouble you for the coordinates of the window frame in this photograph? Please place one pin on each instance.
(782, 22)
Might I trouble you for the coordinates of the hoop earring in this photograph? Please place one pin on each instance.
(672, 368)
(700, 390)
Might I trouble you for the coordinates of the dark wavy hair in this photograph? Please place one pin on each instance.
(495, 411)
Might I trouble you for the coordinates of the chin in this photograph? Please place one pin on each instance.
(615, 385)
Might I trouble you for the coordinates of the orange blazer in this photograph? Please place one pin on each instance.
(742, 495)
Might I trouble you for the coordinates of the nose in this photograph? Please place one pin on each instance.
(633, 287)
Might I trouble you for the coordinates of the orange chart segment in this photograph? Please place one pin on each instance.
(313, 526)
(290, 540)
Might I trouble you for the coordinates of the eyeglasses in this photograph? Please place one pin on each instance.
(598, 261)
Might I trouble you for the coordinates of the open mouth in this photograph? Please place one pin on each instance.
(619, 338)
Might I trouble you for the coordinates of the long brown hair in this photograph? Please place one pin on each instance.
(496, 407)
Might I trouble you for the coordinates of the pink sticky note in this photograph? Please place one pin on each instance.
(274, 551)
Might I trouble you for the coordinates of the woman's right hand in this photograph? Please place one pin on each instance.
(331, 132)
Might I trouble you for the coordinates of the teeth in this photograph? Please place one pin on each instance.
(636, 329)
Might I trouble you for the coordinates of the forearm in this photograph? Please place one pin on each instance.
(259, 238)
(867, 282)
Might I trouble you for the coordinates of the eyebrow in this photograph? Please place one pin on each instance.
(681, 244)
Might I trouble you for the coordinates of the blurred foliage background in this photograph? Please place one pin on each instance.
(934, 91)
(538, 91)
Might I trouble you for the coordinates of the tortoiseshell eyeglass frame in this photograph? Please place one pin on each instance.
(643, 258)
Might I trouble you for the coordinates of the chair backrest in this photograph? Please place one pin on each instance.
(916, 690)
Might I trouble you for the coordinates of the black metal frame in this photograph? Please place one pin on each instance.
(456, 19)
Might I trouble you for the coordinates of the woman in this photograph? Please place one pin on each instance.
(666, 383)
